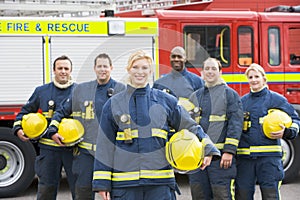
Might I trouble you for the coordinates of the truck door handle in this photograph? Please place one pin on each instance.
(293, 89)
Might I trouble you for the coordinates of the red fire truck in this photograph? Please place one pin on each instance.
(236, 37)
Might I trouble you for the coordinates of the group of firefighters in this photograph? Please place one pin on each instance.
(125, 140)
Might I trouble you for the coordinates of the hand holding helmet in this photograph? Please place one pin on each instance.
(70, 132)
(275, 123)
(185, 152)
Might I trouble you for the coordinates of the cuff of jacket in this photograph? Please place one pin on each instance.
(16, 128)
(51, 131)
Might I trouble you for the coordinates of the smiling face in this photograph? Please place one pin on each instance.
(140, 72)
(256, 80)
(178, 58)
(211, 72)
(62, 71)
(102, 70)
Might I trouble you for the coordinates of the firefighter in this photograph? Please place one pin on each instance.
(220, 115)
(51, 159)
(179, 82)
(85, 104)
(130, 161)
(259, 158)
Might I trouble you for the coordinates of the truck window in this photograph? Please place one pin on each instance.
(245, 45)
(202, 42)
(274, 46)
(294, 46)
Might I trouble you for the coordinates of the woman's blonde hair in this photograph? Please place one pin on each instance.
(138, 55)
(257, 68)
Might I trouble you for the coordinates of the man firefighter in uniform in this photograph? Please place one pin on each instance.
(179, 82)
(85, 104)
(130, 161)
(30, 124)
(218, 109)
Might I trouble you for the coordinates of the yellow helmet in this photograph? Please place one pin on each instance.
(71, 130)
(184, 151)
(34, 125)
(274, 119)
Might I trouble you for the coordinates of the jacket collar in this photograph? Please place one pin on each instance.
(259, 93)
(220, 81)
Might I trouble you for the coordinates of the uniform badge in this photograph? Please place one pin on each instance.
(124, 118)
(196, 109)
(51, 103)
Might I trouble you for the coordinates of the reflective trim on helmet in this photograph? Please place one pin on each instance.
(48, 142)
(217, 118)
(88, 146)
(151, 174)
(259, 149)
(102, 175)
(232, 141)
(159, 133)
(121, 135)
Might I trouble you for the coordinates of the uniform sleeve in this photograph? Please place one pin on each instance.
(102, 176)
(235, 121)
(32, 106)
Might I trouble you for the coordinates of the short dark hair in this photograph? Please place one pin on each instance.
(103, 55)
(63, 57)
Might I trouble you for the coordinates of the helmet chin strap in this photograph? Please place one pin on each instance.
(63, 86)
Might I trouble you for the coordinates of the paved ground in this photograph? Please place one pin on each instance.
(289, 191)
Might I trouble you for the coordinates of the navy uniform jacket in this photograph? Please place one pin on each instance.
(39, 100)
(221, 115)
(133, 133)
(85, 104)
(179, 84)
(253, 142)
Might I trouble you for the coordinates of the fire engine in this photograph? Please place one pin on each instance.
(236, 37)
(28, 49)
